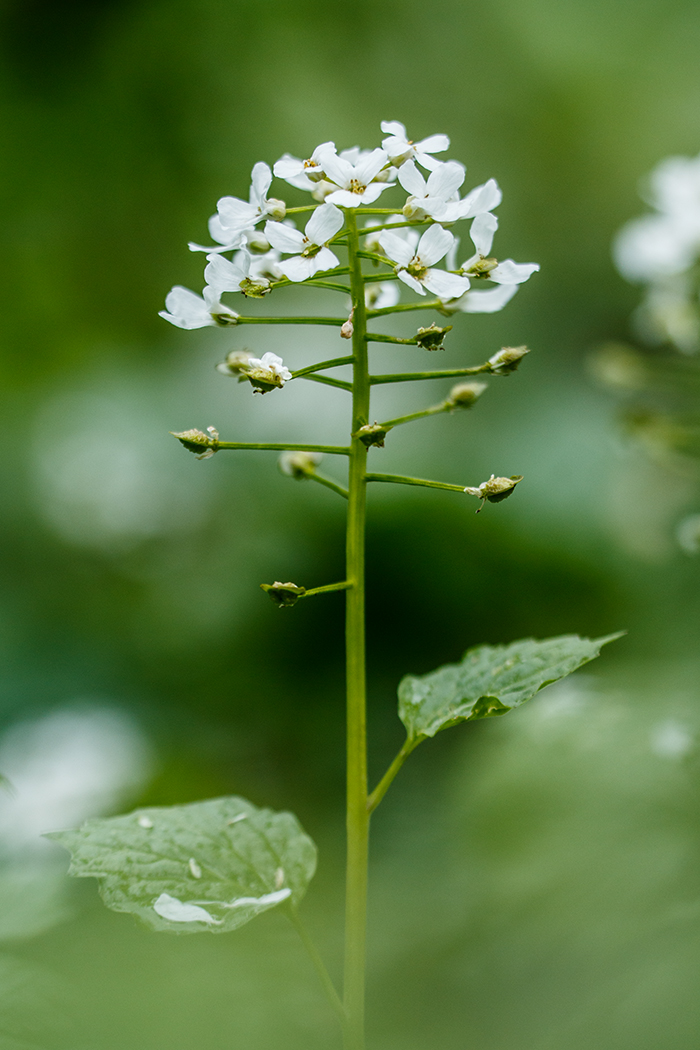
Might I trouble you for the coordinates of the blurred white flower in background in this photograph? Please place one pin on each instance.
(659, 250)
(66, 766)
(671, 739)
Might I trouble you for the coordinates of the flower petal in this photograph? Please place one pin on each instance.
(412, 180)
(394, 127)
(433, 144)
(261, 178)
(446, 180)
(509, 272)
(406, 277)
(284, 238)
(225, 276)
(235, 214)
(482, 231)
(489, 302)
(370, 166)
(434, 244)
(298, 268)
(445, 285)
(325, 260)
(396, 247)
(324, 224)
(288, 166)
(338, 170)
(481, 199)
(373, 191)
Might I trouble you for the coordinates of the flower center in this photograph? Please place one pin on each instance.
(416, 268)
(356, 186)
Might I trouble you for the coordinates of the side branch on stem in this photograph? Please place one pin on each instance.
(401, 479)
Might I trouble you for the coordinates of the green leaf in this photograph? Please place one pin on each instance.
(490, 680)
(210, 865)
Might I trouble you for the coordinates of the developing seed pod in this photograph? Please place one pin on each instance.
(463, 395)
(495, 489)
(432, 337)
(284, 595)
(372, 434)
(507, 359)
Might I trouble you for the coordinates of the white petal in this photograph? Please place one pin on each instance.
(267, 898)
(325, 260)
(412, 180)
(393, 127)
(434, 244)
(173, 910)
(235, 214)
(284, 238)
(320, 152)
(426, 161)
(371, 166)
(223, 275)
(344, 199)
(373, 191)
(261, 178)
(337, 169)
(654, 246)
(446, 180)
(270, 360)
(433, 144)
(509, 272)
(445, 285)
(406, 277)
(482, 230)
(298, 268)
(288, 166)
(224, 236)
(487, 302)
(481, 199)
(396, 247)
(324, 224)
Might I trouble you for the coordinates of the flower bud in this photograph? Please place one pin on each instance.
(203, 445)
(266, 373)
(235, 364)
(276, 208)
(299, 465)
(372, 434)
(481, 268)
(255, 289)
(413, 210)
(463, 395)
(322, 188)
(348, 328)
(431, 338)
(495, 489)
(507, 359)
(283, 595)
(257, 243)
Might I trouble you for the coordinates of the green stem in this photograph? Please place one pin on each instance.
(332, 450)
(375, 257)
(433, 411)
(383, 786)
(327, 587)
(329, 483)
(377, 337)
(370, 278)
(334, 362)
(445, 373)
(357, 818)
(402, 308)
(401, 479)
(329, 381)
(319, 965)
(338, 321)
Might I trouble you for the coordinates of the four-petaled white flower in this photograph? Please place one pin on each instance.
(415, 268)
(507, 272)
(188, 310)
(303, 173)
(355, 181)
(399, 148)
(430, 196)
(235, 214)
(235, 276)
(311, 251)
(266, 372)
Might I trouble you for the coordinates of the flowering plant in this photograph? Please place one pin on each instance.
(214, 865)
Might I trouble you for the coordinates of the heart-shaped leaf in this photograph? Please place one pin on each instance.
(490, 680)
(210, 865)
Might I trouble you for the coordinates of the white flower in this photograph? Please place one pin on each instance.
(382, 294)
(429, 196)
(188, 310)
(303, 173)
(355, 181)
(235, 214)
(266, 372)
(399, 148)
(508, 272)
(311, 251)
(416, 271)
(236, 276)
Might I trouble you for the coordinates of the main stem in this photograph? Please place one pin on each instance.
(357, 820)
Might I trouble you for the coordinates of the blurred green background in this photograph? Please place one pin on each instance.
(535, 878)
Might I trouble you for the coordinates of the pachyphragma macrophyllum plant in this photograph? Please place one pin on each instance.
(215, 865)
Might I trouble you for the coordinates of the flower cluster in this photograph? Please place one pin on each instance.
(661, 250)
(267, 249)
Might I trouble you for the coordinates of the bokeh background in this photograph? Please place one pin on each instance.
(534, 878)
